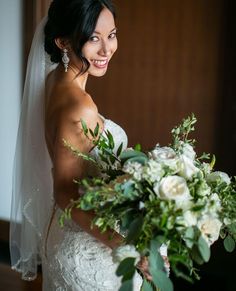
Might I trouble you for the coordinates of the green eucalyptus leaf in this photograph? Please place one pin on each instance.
(126, 220)
(155, 259)
(161, 280)
(196, 256)
(189, 237)
(128, 154)
(129, 274)
(232, 228)
(204, 249)
(135, 229)
(128, 190)
(125, 266)
(146, 286)
(229, 243)
(127, 286)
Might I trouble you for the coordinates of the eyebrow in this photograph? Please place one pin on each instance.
(110, 31)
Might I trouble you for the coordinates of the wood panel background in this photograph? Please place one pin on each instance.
(173, 59)
(168, 66)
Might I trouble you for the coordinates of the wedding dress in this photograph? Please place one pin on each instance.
(72, 259)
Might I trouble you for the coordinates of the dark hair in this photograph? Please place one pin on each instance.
(74, 20)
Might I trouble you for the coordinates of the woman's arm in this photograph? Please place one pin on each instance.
(67, 167)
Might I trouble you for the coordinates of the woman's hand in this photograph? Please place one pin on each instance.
(143, 266)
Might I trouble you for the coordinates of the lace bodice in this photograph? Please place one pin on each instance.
(75, 260)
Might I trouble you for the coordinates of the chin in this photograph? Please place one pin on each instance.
(97, 73)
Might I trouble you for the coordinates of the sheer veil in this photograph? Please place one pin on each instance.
(32, 181)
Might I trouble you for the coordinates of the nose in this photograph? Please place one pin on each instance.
(106, 48)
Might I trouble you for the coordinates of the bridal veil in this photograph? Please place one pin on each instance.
(32, 181)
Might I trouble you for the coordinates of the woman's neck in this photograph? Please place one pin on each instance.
(73, 75)
(80, 79)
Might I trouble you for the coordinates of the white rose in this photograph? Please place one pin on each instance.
(123, 252)
(210, 228)
(173, 188)
(217, 175)
(153, 171)
(166, 156)
(187, 167)
(188, 151)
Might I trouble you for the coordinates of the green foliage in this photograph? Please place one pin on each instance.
(77, 152)
(135, 229)
(127, 286)
(126, 266)
(204, 249)
(181, 132)
(132, 155)
(144, 217)
(229, 244)
(138, 147)
(146, 286)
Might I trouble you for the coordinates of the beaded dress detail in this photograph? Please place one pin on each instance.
(72, 259)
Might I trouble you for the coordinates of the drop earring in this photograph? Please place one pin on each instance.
(65, 59)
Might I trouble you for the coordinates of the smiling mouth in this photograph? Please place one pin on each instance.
(100, 63)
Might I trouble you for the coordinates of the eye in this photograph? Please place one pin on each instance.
(94, 38)
(112, 35)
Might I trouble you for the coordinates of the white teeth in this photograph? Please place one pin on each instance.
(100, 63)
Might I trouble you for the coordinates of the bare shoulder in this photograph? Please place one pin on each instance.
(67, 104)
(78, 105)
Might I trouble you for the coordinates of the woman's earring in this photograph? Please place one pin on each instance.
(65, 59)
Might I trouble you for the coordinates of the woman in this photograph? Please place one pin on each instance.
(80, 36)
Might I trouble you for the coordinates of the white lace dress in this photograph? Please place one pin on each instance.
(72, 259)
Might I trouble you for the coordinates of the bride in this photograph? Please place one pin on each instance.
(79, 36)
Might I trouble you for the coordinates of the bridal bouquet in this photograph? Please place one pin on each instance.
(166, 197)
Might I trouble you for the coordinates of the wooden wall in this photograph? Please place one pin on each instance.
(168, 66)
(173, 59)
(226, 137)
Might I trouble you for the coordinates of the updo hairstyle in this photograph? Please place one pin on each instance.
(74, 20)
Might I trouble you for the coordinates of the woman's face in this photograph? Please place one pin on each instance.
(101, 46)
